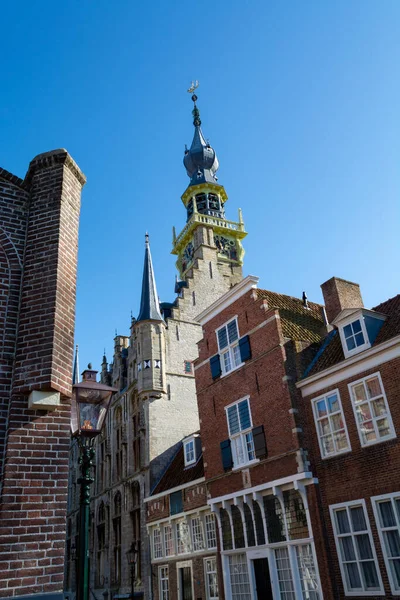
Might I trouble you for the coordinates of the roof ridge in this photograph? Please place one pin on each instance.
(288, 296)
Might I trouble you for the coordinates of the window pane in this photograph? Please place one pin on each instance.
(244, 415)
(239, 576)
(232, 331)
(379, 407)
(363, 413)
(346, 544)
(222, 338)
(353, 576)
(233, 419)
(227, 362)
(250, 446)
(284, 574)
(327, 445)
(337, 422)
(370, 575)
(359, 339)
(321, 408)
(392, 542)
(357, 518)
(307, 571)
(356, 326)
(342, 520)
(383, 427)
(351, 344)
(324, 426)
(359, 392)
(333, 403)
(363, 546)
(373, 387)
(347, 331)
(236, 355)
(386, 514)
(341, 440)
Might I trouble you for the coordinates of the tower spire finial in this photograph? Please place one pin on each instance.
(149, 303)
(75, 372)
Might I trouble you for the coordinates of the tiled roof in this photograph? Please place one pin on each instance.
(177, 474)
(298, 323)
(333, 354)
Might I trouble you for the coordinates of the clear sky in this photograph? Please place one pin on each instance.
(299, 99)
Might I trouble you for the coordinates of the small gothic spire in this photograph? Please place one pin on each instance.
(75, 373)
(149, 304)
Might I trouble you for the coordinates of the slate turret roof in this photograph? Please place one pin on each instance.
(149, 304)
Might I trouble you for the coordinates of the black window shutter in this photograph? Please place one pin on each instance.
(197, 443)
(260, 446)
(244, 347)
(226, 455)
(215, 366)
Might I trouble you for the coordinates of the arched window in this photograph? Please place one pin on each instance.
(226, 529)
(237, 527)
(135, 521)
(118, 443)
(251, 538)
(101, 543)
(259, 523)
(117, 537)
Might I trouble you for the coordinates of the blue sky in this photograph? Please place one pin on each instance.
(300, 100)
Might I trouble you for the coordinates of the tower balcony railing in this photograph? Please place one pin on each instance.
(207, 220)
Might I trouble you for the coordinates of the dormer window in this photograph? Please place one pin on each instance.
(358, 329)
(191, 450)
(353, 335)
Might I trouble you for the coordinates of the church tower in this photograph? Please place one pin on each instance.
(209, 247)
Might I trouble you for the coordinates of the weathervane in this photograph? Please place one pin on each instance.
(195, 112)
(193, 86)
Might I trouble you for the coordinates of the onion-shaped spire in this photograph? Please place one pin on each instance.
(200, 160)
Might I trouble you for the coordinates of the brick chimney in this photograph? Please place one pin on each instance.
(340, 294)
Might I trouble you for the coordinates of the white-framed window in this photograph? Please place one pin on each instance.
(307, 572)
(168, 540)
(355, 335)
(239, 577)
(355, 549)
(190, 452)
(182, 537)
(330, 424)
(284, 572)
(211, 578)
(211, 533)
(228, 345)
(197, 534)
(371, 410)
(387, 516)
(164, 583)
(240, 432)
(157, 543)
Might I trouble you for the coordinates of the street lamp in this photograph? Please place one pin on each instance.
(131, 556)
(89, 406)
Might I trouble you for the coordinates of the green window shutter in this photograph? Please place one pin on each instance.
(260, 446)
(215, 366)
(176, 502)
(244, 347)
(226, 455)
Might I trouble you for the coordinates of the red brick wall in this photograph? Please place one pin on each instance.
(193, 497)
(362, 472)
(40, 330)
(264, 379)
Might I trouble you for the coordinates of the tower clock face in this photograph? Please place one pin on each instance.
(226, 246)
(187, 256)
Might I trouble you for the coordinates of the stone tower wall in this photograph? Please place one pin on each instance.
(40, 219)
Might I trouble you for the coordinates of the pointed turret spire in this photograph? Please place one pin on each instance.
(149, 304)
(200, 160)
(75, 373)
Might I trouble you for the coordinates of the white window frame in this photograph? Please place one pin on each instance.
(170, 527)
(185, 446)
(242, 435)
(162, 596)
(378, 440)
(206, 573)
(179, 538)
(209, 518)
(359, 592)
(375, 500)
(157, 530)
(357, 316)
(229, 348)
(317, 419)
(198, 541)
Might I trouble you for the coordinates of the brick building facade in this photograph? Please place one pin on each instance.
(38, 259)
(257, 469)
(182, 529)
(351, 395)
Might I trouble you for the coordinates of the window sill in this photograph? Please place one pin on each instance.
(337, 454)
(381, 441)
(245, 465)
(231, 371)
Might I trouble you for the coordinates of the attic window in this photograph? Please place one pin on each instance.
(190, 452)
(358, 330)
(353, 335)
